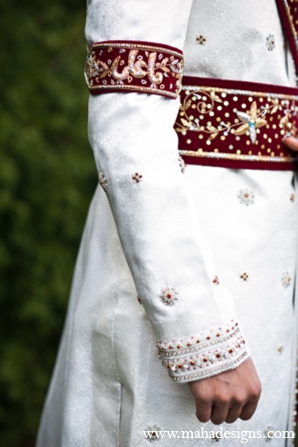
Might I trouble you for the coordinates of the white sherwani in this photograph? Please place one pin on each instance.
(177, 232)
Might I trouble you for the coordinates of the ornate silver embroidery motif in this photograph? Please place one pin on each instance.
(169, 295)
(182, 164)
(137, 177)
(103, 182)
(244, 276)
(201, 39)
(269, 433)
(270, 42)
(152, 433)
(286, 280)
(246, 197)
(251, 122)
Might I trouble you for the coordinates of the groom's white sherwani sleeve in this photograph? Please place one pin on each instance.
(136, 154)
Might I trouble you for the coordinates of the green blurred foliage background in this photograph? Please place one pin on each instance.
(47, 177)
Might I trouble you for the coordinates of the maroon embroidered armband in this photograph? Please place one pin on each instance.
(116, 66)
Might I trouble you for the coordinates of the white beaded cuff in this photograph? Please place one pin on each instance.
(206, 355)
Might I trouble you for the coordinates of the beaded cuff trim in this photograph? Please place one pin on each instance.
(203, 356)
(130, 66)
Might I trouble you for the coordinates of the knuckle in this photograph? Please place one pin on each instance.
(231, 419)
(223, 400)
(240, 398)
(217, 420)
(204, 397)
(255, 394)
(202, 417)
(248, 412)
(247, 415)
(238, 401)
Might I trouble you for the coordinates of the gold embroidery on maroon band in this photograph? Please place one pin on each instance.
(134, 67)
(235, 124)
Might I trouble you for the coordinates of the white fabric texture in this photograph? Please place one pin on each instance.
(174, 230)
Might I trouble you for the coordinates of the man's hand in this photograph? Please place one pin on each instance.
(229, 395)
(292, 143)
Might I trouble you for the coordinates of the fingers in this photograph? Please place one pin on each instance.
(219, 413)
(292, 143)
(227, 410)
(228, 396)
(219, 407)
(249, 408)
(236, 410)
(204, 410)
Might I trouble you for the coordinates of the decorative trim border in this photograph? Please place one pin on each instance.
(236, 124)
(205, 355)
(245, 86)
(289, 16)
(133, 66)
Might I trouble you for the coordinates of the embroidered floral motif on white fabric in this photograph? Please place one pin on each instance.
(152, 433)
(244, 276)
(215, 280)
(269, 433)
(270, 42)
(182, 164)
(280, 349)
(169, 295)
(246, 197)
(286, 280)
(103, 182)
(201, 39)
(204, 355)
(137, 177)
